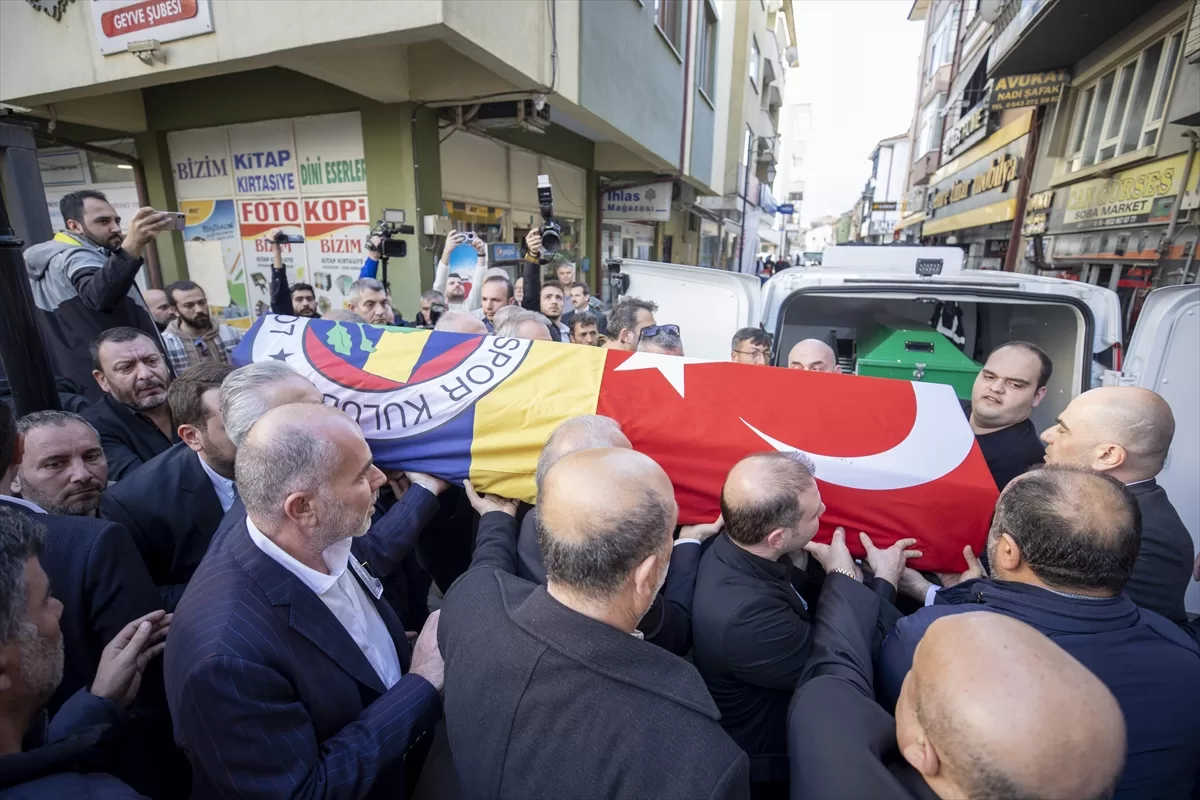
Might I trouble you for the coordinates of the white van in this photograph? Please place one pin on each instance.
(859, 288)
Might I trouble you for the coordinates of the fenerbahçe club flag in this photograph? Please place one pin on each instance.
(893, 458)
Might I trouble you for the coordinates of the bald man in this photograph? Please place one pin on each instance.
(750, 615)
(160, 308)
(550, 690)
(460, 322)
(1062, 545)
(290, 675)
(1125, 432)
(668, 623)
(991, 708)
(813, 355)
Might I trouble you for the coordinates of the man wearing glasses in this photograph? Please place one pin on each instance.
(662, 339)
(751, 346)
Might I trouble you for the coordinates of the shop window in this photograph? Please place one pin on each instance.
(707, 74)
(755, 57)
(1123, 110)
(668, 15)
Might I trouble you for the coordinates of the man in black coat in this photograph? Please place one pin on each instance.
(751, 622)
(1011, 384)
(991, 708)
(133, 417)
(174, 506)
(668, 623)
(550, 691)
(1126, 433)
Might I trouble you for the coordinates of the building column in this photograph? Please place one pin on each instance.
(400, 144)
(160, 192)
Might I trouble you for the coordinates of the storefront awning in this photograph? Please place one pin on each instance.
(1004, 211)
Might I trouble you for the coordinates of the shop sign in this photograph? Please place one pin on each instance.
(651, 202)
(1034, 89)
(62, 168)
(1037, 213)
(263, 158)
(329, 150)
(967, 131)
(885, 205)
(984, 176)
(1144, 194)
(335, 229)
(119, 22)
(200, 163)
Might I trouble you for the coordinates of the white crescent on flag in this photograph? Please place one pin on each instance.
(939, 441)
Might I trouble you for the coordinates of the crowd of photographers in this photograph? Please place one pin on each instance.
(208, 590)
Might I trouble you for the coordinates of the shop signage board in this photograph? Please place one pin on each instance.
(986, 186)
(1037, 213)
(335, 229)
(1033, 89)
(1142, 195)
(651, 202)
(303, 176)
(884, 205)
(62, 168)
(975, 125)
(119, 22)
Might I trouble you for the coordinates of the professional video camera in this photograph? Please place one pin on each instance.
(551, 231)
(386, 229)
(389, 227)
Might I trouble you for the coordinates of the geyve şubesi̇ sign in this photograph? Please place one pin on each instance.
(1034, 89)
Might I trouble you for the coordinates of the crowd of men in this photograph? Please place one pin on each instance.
(208, 589)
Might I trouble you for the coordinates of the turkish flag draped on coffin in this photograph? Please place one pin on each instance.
(893, 458)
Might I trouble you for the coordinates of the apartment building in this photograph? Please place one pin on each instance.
(314, 122)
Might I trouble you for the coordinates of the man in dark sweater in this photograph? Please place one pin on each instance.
(1126, 432)
(1011, 384)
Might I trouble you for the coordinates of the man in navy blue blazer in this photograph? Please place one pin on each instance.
(287, 674)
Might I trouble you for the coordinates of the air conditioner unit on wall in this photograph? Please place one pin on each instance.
(522, 114)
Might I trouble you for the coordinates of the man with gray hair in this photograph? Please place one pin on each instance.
(251, 391)
(369, 299)
(661, 339)
(32, 662)
(521, 323)
(562, 657)
(461, 322)
(287, 673)
(668, 623)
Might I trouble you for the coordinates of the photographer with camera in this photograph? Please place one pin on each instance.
(450, 284)
(297, 300)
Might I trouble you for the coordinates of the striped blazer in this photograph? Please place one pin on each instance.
(270, 695)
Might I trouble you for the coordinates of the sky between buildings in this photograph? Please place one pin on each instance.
(858, 70)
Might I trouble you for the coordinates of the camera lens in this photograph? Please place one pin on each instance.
(550, 241)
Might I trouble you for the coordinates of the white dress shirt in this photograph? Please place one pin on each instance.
(345, 597)
(221, 485)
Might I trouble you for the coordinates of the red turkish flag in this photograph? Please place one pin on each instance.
(895, 459)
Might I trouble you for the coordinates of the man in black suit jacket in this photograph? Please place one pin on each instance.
(97, 574)
(133, 418)
(174, 506)
(991, 708)
(287, 674)
(1126, 432)
(750, 617)
(550, 691)
(668, 623)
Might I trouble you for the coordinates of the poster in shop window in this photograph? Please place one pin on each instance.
(335, 229)
(258, 221)
(200, 163)
(216, 221)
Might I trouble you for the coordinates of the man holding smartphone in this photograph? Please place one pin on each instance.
(451, 285)
(83, 280)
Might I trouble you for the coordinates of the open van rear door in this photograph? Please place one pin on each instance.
(708, 305)
(1162, 357)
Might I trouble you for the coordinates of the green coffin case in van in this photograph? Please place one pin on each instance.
(916, 354)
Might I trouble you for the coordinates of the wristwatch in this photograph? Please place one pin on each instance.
(845, 572)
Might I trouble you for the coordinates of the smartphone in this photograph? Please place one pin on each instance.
(180, 219)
